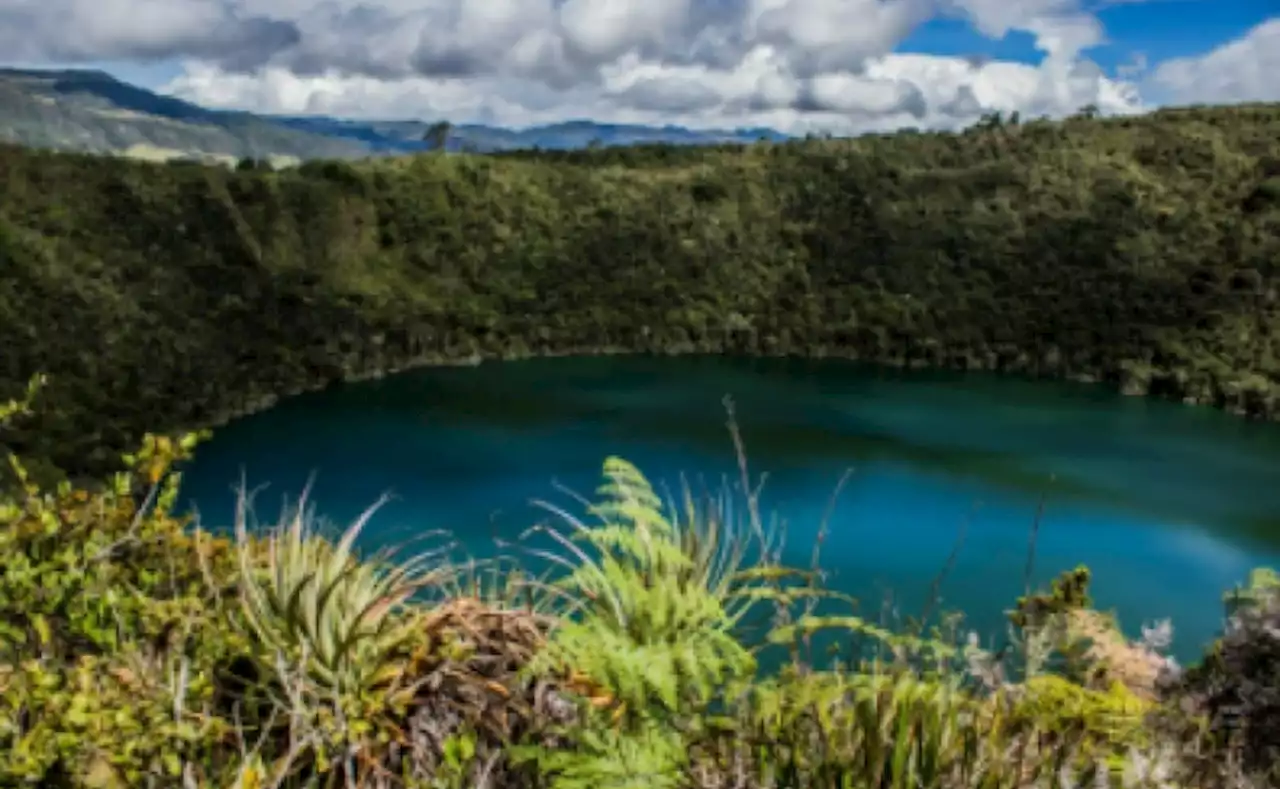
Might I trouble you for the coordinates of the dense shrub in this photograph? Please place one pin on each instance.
(1237, 686)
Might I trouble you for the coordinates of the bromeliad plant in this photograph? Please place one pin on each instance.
(338, 618)
(337, 642)
(336, 630)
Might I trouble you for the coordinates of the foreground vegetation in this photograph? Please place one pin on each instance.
(138, 649)
(1140, 251)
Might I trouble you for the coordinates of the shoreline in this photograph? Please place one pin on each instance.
(1116, 382)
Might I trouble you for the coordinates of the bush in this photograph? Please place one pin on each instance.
(1237, 686)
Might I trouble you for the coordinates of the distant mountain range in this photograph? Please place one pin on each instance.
(94, 111)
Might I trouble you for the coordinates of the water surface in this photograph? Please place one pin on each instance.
(1168, 504)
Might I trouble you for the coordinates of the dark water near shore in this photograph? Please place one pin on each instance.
(1169, 505)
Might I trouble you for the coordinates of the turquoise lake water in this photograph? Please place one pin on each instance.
(1168, 504)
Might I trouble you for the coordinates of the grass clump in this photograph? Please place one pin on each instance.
(139, 650)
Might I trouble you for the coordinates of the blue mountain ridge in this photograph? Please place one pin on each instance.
(79, 109)
(406, 136)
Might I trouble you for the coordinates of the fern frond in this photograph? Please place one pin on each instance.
(660, 590)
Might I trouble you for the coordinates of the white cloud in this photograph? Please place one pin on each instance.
(891, 91)
(795, 65)
(1247, 69)
(78, 30)
(1061, 27)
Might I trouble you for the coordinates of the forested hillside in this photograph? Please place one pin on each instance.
(1139, 251)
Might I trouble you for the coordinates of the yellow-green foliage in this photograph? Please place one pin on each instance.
(1068, 592)
(1263, 583)
(1112, 719)
(108, 720)
(110, 631)
(897, 728)
(90, 573)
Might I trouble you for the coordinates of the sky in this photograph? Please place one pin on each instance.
(839, 66)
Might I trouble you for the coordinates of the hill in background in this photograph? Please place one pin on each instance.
(95, 112)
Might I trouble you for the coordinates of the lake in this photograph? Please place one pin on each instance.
(1168, 504)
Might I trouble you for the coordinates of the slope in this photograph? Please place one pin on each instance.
(1139, 251)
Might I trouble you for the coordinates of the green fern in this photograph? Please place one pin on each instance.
(649, 757)
(658, 602)
(658, 592)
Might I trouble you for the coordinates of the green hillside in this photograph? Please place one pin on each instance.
(1140, 251)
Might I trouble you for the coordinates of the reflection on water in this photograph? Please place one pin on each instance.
(1169, 504)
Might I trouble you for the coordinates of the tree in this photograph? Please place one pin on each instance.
(437, 135)
(990, 120)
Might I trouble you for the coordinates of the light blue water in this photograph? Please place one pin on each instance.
(1169, 505)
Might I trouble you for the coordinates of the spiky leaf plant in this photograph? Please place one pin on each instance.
(882, 730)
(315, 602)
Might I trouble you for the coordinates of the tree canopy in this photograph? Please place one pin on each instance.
(1140, 251)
